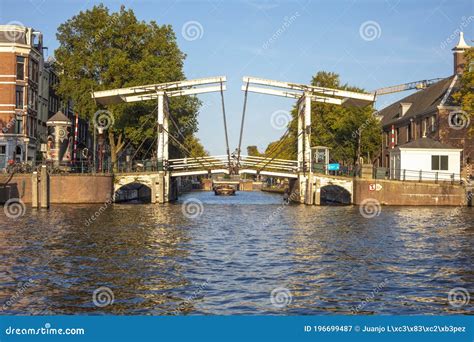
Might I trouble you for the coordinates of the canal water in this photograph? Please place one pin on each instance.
(247, 254)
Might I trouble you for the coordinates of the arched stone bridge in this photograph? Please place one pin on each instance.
(319, 189)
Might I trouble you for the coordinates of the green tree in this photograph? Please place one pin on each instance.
(253, 151)
(342, 129)
(465, 95)
(100, 50)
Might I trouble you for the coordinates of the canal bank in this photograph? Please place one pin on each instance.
(100, 188)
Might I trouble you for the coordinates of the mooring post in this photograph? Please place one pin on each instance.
(34, 190)
(44, 188)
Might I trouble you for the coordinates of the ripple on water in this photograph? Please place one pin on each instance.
(233, 254)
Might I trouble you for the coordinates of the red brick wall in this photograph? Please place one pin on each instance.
(7, 91)
(80, 188)
(456, 137)
(19, 186)
(410, 193)
(63, 189)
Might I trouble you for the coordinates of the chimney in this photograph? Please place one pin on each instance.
(458, 52)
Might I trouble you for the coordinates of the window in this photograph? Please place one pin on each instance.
(433, 123)
(439, 163)
(19, 97)
(20, 68)
(397, 134)
(19, 126)
(3, 156)
(34, 71)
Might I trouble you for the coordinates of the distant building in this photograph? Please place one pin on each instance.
(28, 97)
(430, 113)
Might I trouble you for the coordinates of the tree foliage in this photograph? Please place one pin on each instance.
(465, 95)
(102, 50)
(334, 126)
(253, 151)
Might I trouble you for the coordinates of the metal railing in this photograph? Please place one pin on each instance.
(416, 175)
(344, 171)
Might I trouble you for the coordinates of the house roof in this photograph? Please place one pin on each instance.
(60, 118)
(423, 101)
(427, 143)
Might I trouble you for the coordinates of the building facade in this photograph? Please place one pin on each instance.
(431, 113)
(28, 97)
(21, 58)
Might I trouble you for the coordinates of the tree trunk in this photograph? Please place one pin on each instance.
(115, 148)
(358, 153)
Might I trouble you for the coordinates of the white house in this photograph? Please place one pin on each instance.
(425, 159)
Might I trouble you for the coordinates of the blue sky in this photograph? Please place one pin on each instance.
(371, 44)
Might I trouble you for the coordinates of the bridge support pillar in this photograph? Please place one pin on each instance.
(163, 129)
(305, 178)
(306, 188)
(154, 184)
(163, 188)
(317, 192)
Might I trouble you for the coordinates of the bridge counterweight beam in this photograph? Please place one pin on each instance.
(307, 133)
(304, 148)
(163, 128)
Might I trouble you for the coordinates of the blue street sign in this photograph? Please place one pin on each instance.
(333, 167)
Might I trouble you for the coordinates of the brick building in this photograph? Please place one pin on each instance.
(21, 58)
(28, 97)
(431, 113)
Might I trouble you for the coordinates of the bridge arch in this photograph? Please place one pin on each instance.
(134, 191)
(332, 189)
(335, 194)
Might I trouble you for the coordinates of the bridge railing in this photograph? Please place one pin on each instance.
(222, 161)
(199, 163)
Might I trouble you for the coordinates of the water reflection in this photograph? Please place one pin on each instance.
(230, 258)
